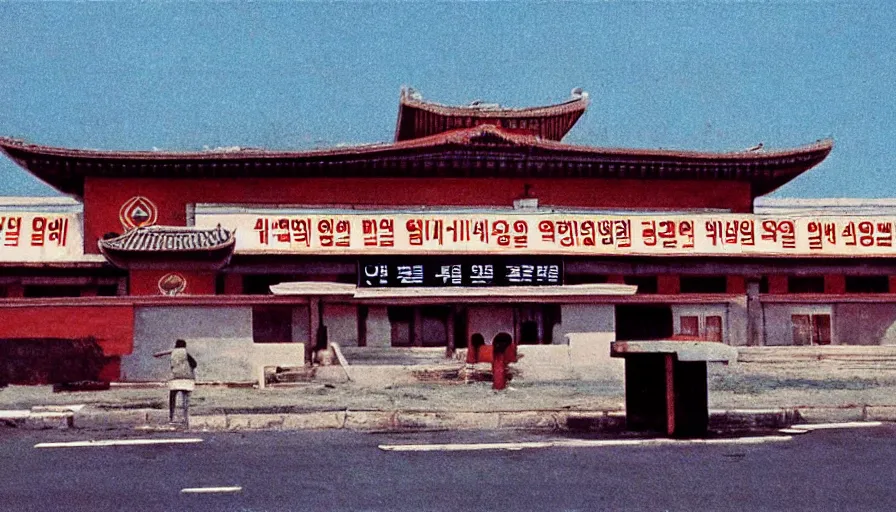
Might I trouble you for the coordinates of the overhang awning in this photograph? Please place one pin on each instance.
(313, 288)
(496, 292)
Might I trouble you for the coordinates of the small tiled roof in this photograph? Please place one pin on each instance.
(170, 239)
(161, 246)
(418, 118)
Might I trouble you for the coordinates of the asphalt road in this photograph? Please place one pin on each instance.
(822, 470)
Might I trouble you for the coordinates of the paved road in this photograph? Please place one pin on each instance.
(823, 470)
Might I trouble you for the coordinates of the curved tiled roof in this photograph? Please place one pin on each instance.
(158, 244)
(478, 151)
(418, 118)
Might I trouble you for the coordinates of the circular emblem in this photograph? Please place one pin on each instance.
(172, 284)
(138, 211)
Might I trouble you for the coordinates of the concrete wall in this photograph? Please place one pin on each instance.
(379, 330)
(585, 318)
(588, 330)
(738, 322)
(300, 324)
(865, 324)
(219, 338)
(779, 326)
(342, 323)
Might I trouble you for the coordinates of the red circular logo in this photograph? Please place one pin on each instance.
(172, 284)
(138, 211)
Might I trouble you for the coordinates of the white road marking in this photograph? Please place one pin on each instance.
(576, 443)
(828, 426)
(14, 415)
(793, 431)
(203, 490)
(117, 442)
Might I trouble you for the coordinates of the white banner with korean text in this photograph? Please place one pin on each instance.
(39, 237)
(557, 233)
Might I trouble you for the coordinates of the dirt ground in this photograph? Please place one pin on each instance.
(743, 385)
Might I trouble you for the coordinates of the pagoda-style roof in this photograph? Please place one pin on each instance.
(418, 118)
(484, 151)
(167, 246)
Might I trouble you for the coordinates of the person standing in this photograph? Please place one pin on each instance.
(182, 379)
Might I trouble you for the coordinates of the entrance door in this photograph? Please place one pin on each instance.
(643, 322)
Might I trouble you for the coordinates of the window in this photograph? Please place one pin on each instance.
(867, 284)
(39, 291)
(705, 327)
(107, 290)
(805, 284)
(272, 324)
(645, 284)
(811, 329)
(689, 326)
(703, 284)
(713, 331)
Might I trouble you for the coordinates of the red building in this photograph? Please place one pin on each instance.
(475, 220)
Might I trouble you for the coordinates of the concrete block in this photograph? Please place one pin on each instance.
(880, 413)
(333, 373)
(534, 420)
(447, 420)
(214, 422)
(158, 416)
(750, 418)
(370, 420)
(313, 420)
(107, 420)
(591, 421)
(830, 414)
(45, 420)
(254, 421)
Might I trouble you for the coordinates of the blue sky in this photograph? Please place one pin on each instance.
(686, 75)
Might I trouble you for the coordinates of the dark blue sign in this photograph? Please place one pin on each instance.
(478, 272)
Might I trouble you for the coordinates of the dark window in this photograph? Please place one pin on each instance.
(4, 291)
(38, 291)
(107, 290)
(529, 333)
(645, 284)
(805, 284)
(272, 324)
(703, 284)
(220, 286)
(867, 284)
(643, 322)
(763, 284)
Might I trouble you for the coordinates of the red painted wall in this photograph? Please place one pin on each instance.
(103, 197)
(146, 282)
(112, 326)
